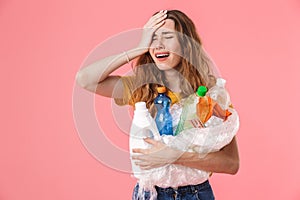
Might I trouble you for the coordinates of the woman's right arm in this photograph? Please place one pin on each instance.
(96, 76)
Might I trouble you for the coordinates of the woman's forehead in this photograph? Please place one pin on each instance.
(169, 26)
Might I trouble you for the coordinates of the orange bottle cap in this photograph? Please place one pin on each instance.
(161, 89)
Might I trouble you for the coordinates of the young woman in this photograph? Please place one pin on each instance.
(170, 53)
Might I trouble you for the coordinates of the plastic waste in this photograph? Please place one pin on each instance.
(204, 107)
(143, 126)
(191, 111)
(163, 117)
(219, 94)
(200, 140)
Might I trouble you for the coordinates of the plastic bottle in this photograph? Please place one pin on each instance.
(189, 117)
(163, 117)
(219, 94)
(205, 106)
(143, 126)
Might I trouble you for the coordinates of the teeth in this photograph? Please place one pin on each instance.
(162, 55)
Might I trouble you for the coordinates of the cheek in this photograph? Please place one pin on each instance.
(176, 59)
(153, 45)
(178, 50)
(151, 51)
(175, 48)
(177, 53)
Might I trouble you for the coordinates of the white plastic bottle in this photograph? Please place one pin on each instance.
(220, 94)
(143, 125)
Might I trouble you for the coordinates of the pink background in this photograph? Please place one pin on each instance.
(44, 43)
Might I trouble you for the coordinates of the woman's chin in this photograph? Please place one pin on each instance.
(163, 66)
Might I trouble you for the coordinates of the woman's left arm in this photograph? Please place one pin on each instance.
(225, 160)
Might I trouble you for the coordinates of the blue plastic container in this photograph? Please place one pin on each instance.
(163, 117)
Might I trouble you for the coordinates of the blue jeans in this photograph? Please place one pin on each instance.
(202, 191)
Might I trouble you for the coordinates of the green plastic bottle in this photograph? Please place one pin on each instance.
(189, 118)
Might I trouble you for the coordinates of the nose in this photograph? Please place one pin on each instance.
(159, 44)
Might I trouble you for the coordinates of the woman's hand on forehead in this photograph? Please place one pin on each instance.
(155, 22)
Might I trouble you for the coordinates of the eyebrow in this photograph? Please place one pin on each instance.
(165, 33)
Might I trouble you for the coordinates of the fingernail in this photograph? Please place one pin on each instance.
(165, 11)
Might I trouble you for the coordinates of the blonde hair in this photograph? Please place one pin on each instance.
(194, 67)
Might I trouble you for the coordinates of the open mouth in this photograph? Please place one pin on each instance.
(162, 55)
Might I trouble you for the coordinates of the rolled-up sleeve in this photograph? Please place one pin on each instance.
(128, 86)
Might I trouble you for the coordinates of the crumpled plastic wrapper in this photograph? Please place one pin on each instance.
(217, 134)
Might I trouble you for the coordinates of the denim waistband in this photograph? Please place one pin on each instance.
(183, 189)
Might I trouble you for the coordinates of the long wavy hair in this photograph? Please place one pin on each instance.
(195, 67)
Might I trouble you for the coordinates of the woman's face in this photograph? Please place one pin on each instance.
(165, 48)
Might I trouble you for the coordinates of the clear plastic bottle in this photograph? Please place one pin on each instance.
(143, 126)
(189, 117)
(219, 94)
(163, 117)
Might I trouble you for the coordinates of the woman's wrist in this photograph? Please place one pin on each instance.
(127, 57)
(132, 54)
(135, 52)
(186, 157)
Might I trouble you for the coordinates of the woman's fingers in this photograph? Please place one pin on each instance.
(151, 141)
(159, 21)
(159, 25)
(142, 151)
(150, 27)
(147, 165)
(156, 19)
(159, 15)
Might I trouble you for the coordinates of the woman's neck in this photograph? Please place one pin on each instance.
(172, 80)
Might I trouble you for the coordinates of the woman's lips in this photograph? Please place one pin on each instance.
(162, 56)
(162, 59)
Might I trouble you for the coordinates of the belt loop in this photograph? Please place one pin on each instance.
(192, 189)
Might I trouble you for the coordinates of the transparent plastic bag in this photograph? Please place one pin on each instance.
(201, 140)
